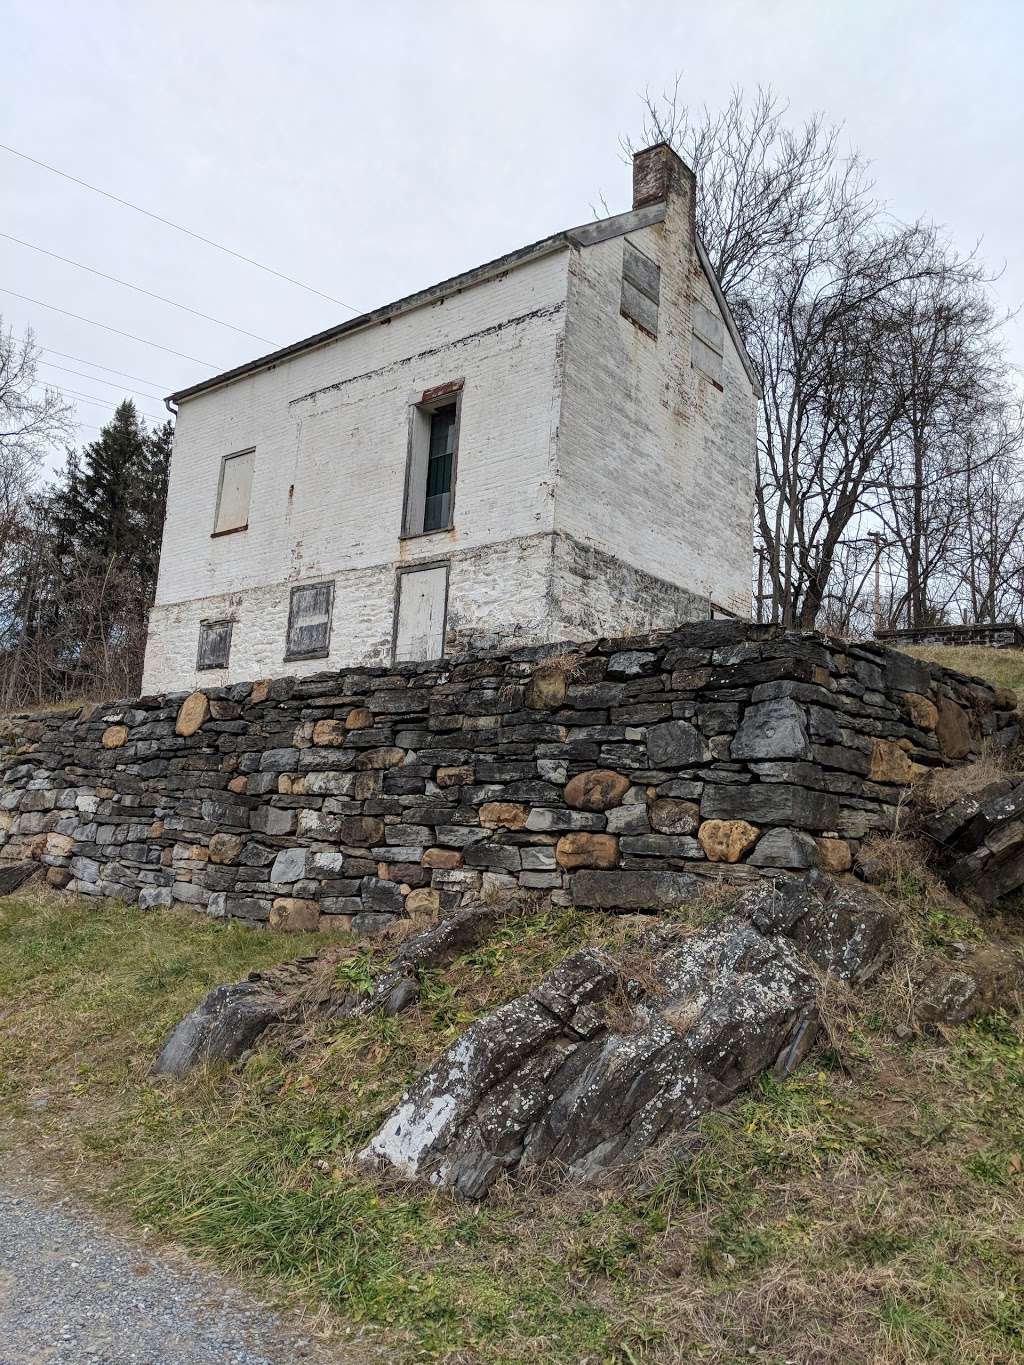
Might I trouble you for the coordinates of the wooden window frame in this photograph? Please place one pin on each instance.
(403, 572)
(203, 625)
(232, 530)
(429, 402)
(291, 655)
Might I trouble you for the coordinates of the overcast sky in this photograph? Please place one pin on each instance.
(371, 150)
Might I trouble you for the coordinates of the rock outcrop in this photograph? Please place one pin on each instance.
(607, 1057)
(592, 1067)
(979, 841)
(232, 1018)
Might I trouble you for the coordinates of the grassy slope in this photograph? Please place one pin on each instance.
(1004, 667)
(867, 1210)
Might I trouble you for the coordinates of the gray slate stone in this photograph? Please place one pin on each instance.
(632, 890)
(785, 848)
(289, 865)
(772, 729)
(676, 744)
(17, 874)
(770, 803)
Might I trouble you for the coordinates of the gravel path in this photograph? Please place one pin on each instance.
(72, 1292)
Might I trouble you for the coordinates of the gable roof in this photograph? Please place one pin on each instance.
(587, 235)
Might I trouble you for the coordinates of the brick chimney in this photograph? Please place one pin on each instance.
(657, 172)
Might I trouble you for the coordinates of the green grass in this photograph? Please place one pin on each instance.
(864, 1212)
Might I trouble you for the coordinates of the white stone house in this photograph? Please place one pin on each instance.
(555, 446)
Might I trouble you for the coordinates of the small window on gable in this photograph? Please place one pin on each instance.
(641, 288)
(433, 452)
(706, 351)
(309, 621)
(234, 493)
(214, 644)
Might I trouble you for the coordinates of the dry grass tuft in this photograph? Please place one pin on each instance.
(942, 786)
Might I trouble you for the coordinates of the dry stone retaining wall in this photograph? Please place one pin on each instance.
(606, 777)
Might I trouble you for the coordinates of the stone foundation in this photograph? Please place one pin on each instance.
(605, 775)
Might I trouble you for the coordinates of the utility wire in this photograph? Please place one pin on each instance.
(76, 396)
(90, 397)
(157, 397)
(80, 360)
(126, 203)
(138, 288)
(116, 330)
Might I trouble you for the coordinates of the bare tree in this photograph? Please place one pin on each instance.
(871, 338)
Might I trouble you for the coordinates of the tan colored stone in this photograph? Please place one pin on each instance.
(387, 757)
(580, 849)
(58, 877)
(446, 858)
(835, 854)
(329, 734)
(1005, 699)
(503, 814)
(260, 692)
(889, 763)
(114, 736)
(727, 841)
(359, 718)
(238, 784)
(455, 777)
(599, 789)
(922, 712)
(547, 688)
(335, 924)
(199, 853)
(423, 901)
(225, 848)
(367, 785)
(953, 730)
(291, 915)
(671, 816)
(59, 845)
(193, 714)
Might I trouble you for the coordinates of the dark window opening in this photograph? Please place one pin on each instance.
(440, 462)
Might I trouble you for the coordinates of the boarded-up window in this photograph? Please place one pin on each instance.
(708, 341)
(214, 644)
(641, 288)
(309, 621)
(422, 607)
(234, 492)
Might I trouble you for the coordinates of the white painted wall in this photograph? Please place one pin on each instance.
(330, 432)
(604, 486)
(655, 464)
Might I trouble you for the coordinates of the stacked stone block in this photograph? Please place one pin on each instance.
(606, 777)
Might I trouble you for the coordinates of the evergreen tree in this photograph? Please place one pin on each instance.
(115, 470)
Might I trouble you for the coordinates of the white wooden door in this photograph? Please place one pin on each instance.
(422, 598)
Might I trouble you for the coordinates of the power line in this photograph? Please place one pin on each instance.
(126, 203)
(138, 288)
(80, 360)
(116, 330)
(76, 396)
(97, 380)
